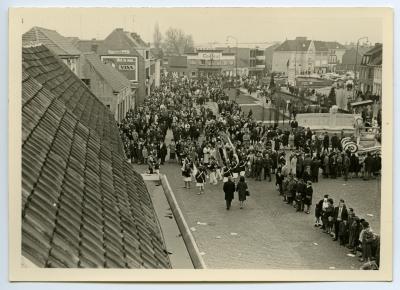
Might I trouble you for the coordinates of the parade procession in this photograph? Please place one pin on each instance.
(167, 150)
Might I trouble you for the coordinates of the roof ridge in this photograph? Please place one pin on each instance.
(51, 39)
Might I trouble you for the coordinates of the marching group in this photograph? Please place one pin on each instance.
(232, 146)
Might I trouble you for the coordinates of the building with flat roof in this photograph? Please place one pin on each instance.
(204, 61)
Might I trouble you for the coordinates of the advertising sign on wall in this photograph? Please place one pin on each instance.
(127, 65)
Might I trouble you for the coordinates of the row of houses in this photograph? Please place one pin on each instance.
(229, 61)
(120, 70)
(301, 55)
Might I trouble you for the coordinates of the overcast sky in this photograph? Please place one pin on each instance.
(254, 25)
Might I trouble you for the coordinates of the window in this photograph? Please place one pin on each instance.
(193, 73)
(147, 54)
(203, 62)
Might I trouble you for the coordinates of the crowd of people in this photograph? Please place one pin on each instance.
(231, 147)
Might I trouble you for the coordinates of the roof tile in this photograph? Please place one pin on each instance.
(80, 205)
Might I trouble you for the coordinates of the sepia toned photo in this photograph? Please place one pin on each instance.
(201, 144)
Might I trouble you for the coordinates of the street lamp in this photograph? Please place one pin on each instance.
(355, 65)
(236, 56)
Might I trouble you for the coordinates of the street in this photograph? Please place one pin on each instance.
(268, 233)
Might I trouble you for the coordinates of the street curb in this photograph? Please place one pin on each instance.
(187, 236)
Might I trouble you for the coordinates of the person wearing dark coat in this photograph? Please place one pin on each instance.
(335, 141)
(229, 190)
(318, 211)
(368, 166)
(242, 190)
(279, 180)
(325, 142)
(340, 215)
(163, 152)
(354, 163)
(346, 166)
(266, 162)
(307, 200)
(315, 164)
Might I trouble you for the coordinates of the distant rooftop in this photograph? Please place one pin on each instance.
(112, 76)
(57, 43)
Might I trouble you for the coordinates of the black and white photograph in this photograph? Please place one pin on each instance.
(202, 139)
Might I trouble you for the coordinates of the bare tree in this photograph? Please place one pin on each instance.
(177, 42)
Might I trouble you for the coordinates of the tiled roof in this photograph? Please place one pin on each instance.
(294, 45)
(377, 60)
(57, 43)
(334, 45)
(82, 203)
(87, 45)
(375, 49)
(114, 78)
(320, 45)
(326, 45)
(136, 39)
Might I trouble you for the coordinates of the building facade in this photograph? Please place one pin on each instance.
(351, 56)
(112, 88)
(370, 76)
(178, 66)
(206, 61)
(130, 55)
(307, 56)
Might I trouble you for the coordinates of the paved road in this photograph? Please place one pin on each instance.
(268, 233)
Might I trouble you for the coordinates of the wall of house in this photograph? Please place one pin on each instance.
(73, 62)
(125, 101)
(366, 77)
(377, 82)
(303, 61)
(280, 60)
(99, 87)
